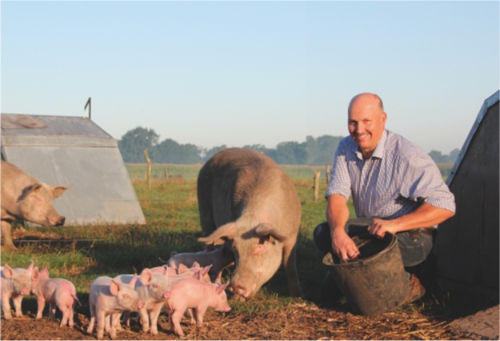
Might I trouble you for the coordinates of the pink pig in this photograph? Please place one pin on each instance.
(16, 283)
(107, 297)
(186, 293)
(151, 289)
(56, 291)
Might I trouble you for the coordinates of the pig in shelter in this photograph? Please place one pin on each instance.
(248, 202)
(26, 198)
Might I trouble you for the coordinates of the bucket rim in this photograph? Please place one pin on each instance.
(362, 260)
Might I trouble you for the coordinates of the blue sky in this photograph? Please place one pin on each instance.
(240, 73)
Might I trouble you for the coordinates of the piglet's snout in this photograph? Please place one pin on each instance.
(25, 292)
(140, 305)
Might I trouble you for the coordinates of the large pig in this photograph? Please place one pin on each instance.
(248, 202)
(107, 300)
(16, 283)
(187, 293)
(57, 292)
(26, 198)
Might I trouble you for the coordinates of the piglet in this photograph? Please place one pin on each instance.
(151, 289)
(107, 297)
(58, 292)
(219, 258)
(186, 293)
(16, 283)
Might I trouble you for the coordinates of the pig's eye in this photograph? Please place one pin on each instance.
(155, 286)
(127, 296)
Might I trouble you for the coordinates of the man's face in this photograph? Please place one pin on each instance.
(366, 124)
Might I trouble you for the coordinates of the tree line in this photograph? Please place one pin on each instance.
(313, 151)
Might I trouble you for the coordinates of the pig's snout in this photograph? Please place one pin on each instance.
(25, 292)
(239, 289)
(60, 222)
(140, 305)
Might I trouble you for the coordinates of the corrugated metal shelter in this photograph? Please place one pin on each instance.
(61, 150)
(467, 245)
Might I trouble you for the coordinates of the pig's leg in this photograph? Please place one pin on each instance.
(41, 305)
(115, 321)
(71, 315)
(154, 313)
(65, 314)
(289, 252)
(92, 319)
(101, 321)
(175, 319)
(17, 305)
(52, 310)
(7, 235)
(107, 323)
(191, 314)
(118, 323)
(200, 311)
(143, 314)
(6, 306)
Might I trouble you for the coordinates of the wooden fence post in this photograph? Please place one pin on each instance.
(317, 174)
(166, 173)
(148, 172)
(328, 170)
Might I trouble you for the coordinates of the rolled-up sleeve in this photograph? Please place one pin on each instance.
(422, 181)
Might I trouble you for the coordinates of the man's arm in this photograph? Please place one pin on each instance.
(337, 214)
(425, 216)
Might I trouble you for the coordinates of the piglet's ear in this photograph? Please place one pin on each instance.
(133, 281)
(221, 288)
(206, 269)
(36, 274)
(30, 267)
(8, 272)
(182, 268)
(195, 264)
(114, 288)
(146, 276)
(45, 272)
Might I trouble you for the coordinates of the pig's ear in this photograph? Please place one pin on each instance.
(8, 272)
(219, 236)
(146, 276)
(196, 265)
(206, 269)
(114, 288)
(221, 288)
(30, 267)
(133, 281)
(45, 272)
(182, 268)
(266, 229)
(57, 191)
(36, 274)
(33, 188)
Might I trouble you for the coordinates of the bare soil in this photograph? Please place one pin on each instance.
(295, 322)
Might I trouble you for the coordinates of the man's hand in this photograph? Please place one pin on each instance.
(343, 245)
(379, 227)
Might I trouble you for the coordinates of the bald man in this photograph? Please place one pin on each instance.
(389, 178)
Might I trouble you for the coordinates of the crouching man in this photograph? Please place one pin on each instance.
(390, 178)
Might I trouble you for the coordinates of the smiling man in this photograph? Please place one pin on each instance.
(390, 179)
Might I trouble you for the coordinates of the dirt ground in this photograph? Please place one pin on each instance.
(296, 322)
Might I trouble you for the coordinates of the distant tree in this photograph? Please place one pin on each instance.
(211, 152)
(438, 157)
(169, 151)
(454, 154)
(292, 153)
(133, 143)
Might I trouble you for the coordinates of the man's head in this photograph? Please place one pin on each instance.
(366, 121)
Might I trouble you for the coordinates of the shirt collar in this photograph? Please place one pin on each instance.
(379, 150)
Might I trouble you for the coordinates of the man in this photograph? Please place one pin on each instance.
(390, 178)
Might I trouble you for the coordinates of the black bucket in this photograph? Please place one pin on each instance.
(376, 281)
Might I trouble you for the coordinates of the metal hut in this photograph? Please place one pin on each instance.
(467, 245)
(76, 152)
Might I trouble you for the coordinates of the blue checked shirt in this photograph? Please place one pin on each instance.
(393, 182)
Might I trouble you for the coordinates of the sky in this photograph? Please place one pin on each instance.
(252, 72)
